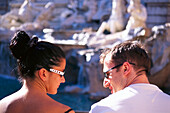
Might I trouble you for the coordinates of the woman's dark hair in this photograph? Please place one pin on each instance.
(32, 55)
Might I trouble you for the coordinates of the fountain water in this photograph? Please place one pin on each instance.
(7, 62)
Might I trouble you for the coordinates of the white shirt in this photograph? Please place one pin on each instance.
(136, 98)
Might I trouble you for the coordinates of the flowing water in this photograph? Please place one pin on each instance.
(7, 62)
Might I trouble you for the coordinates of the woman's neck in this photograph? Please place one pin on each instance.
(34, 85)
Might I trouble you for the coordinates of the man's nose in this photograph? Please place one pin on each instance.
(106, 83)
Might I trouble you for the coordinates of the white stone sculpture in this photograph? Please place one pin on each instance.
(116, 21)
(29, 16)
(138, 15)
(10, 19)
(28, 11)
(75, 17)
(46, 14)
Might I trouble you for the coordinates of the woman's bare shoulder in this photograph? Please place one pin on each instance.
(10, 99)
(41, 103)
(57, 107)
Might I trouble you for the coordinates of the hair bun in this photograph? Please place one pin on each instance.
(33, 41)
(19, 44)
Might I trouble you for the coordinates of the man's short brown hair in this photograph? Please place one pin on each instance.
(129, 51)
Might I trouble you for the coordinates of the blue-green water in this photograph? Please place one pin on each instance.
(78, 102)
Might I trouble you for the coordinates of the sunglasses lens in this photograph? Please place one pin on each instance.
(106, 76)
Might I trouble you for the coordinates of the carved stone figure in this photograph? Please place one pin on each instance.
(10, 19)
(46, 14)
(29, 16)
(138, 15)
(116, 21)
(28, 11)
(88, 10)
(158, 46)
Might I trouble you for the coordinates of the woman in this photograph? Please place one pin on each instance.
(41, 66)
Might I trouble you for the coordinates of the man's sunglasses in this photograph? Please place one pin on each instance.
(105, 73)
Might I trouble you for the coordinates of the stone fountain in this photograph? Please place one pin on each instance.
(83, 30)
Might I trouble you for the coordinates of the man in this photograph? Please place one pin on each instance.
(126, 67)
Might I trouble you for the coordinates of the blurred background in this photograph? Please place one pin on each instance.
(83, 28)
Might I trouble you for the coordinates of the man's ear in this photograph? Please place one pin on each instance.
(126, 68)
(43, 74)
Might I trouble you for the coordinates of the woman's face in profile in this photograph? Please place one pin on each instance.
(56, 79)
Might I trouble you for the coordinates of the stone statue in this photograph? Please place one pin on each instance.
(35, 17)
(10, 19)
(116, 21)
(138, 15)
(158, 46)
(28, 11)
(17, 17)
(29, 16)
(45, 15)
(88, 10)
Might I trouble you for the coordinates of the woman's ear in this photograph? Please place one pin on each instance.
(43, 74)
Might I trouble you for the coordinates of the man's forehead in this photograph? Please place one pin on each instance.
(108, 58)
(107, 62)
